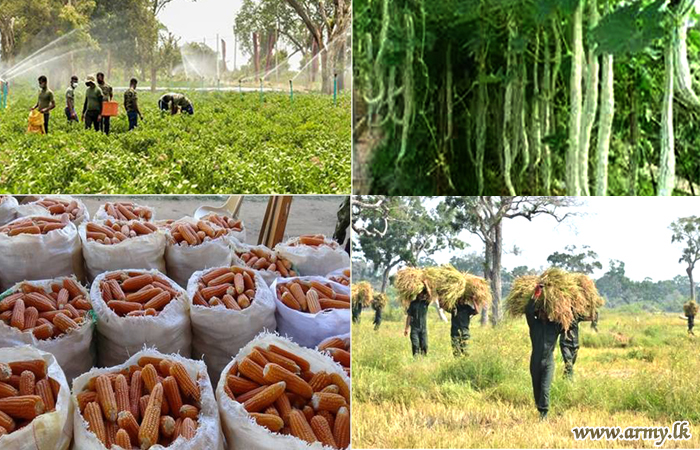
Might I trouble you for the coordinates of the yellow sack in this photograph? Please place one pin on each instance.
(36, 122)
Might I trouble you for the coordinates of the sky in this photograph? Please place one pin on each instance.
(200, 21)
(631, 229)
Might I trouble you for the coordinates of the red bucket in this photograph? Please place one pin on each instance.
(110, 109)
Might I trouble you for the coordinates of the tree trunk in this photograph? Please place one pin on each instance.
(497, 250)
(7, 39)
(314, 60)
(683, 79)
(572, 163)
(546, 116)
(522, 127)
(590, 104)
(385, 278)
(481, 109)
(487, 277)
(407, 88)
(256, 54)
(507, 114)
(340, 64)
(689, 271)
(536, 123)
(607, 110)
(326, 75)
(667, 164)
(634, 141)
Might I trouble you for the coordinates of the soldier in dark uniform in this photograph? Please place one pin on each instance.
(691, 324)
(461, 316)
(378, 306)
(131, 104)
(594, 322)
(543, 337)
(417, 323)
(356, 312)
(107, 96)
(569, 345)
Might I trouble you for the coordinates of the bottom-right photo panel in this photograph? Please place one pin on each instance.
(525, 322)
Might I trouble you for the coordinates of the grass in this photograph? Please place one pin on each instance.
(640, 370)
(232, 144)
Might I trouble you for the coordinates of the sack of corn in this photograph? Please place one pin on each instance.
(194, 245)
(410, 282)
(56, 206)
(136, 307)
(314, 254)
(341, 276)
(338, 348)
(310, 309)
(116, 244)
(562, 298)
(36, 409)
(125, 211)
(362, 293)
(38, 248)
(229, 306)
(690, 308)
(277, 395)
(234, 227)
(54, 316)
(379, 301)
(153, 400)
(266, 261)
(8, 209)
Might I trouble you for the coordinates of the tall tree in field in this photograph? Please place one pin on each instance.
(686, 230)
(484, 216)
(414, 232)
(572, 259)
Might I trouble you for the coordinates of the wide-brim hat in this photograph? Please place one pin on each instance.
(90, 79)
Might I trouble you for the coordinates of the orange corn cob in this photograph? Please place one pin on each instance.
(258, 357)
(187, 385)
(36, 366)
(64, 323)
(30, 317)
(149, 375)
(135, 391)
(188, 428)
(274, 373)
(7, 390)
(84, 398)
(17, 319)
(159, 301)
(312, 302)
(167, 426)
(240, 385)
(106, 398)
(43, 390)
(164, 367)
(333, 342)
(333, 304)
(123, 440)
(279, 359)
(39, 301)
(326, 401)
(328, 416)
(172, 394)
(341, 356)
(331, 389)
(341, 428)
(289, 300)
(189, 411)
(137, 282)
(322, 431)
(308, 412)
(7, 422)
(319, 381)
(283, 407)
(93, 416)
(300, 427)
(298, 293)
(250, 394)
(127, 422)
(344, 389)
(27, 382)
(251, 370)
(148, 433)
(265, 398)
(121, 393)
(301, 362)
(269, 421)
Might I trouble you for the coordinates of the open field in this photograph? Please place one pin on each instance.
(232, 144)
(640, 370)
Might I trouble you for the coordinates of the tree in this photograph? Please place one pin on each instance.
(573, 260)
(686, 230)
(483, 216)
(414, 232)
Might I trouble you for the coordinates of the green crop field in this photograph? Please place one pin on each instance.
(639, 370)
(232, 144)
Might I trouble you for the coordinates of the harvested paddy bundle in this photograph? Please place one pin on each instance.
(362, 293)
(379, 301)
(589, 293)
(477, 292)
(447, 284)
(561, 298)
(690, 308)
(410, 282)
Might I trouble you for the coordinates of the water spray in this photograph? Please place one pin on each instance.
(261, 91)
(291, 92)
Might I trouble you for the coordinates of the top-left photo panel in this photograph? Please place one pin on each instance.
(175, 97)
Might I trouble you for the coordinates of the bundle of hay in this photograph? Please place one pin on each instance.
(592, 299)
(410, 282)
(362, 293)
(477, 292)
(561, 300)
(447, 285)
(379, 301)
(690, 308)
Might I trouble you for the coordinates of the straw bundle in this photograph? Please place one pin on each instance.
(690, 308)
(590, 294)
(409, 282)
(379, 301)
(447, 283)
(362, 293)
(520, 294)
(477, 292)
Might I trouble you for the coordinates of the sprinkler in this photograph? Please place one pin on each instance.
(335, 89)
(291, 92)
(261, 91)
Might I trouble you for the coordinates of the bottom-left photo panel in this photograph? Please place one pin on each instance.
(182, 322)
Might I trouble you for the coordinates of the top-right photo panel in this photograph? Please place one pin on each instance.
(516, 97)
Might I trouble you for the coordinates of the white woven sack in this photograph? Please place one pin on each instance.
(34, 209)
(310, 260)
(8, 209)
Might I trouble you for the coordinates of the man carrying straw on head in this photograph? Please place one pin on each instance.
(417, 323)
(691, 310)
(378, 304)
(459, 328)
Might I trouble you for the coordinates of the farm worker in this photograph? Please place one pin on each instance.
(356, 312)
(106, 97)
(417, 321)
(92, 108)
(594, 322)
(45, 102)
(131, 104)
(461, 316)
(71, 115)
(568, 344)
(543, 337)
(691, 323)
(174, 102)
(378, 306)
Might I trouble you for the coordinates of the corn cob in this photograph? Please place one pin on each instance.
(265, 398)
(326, 401)
(252, 371)
(300, 427)
(250, 394)
(167, 426)
(7, 390)
(341, 356)
(274, 373)
(187, 385)
(148, 433)
(269, 421)
(283, 407)
(121, 393)
(123, 440)
(322, 431)
(341, 428)
(17, 319)
(188, 429)
(27, 382)
(64, 323)
(135, 391)
(279, 359)
(127, 422)
(149, 375)
(190, 411)
(301, 362)
(106, 398)
(319, 381)
(96, 424)
(308, 412)
(84, 398)
(7, 422)
(172, 394)
(328, 416)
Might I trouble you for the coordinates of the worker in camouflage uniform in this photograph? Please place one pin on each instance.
(378, 306)
(92, 107)
(568, 344)
(417, 323)
(131, 104)
(459, 330)
(107, 95)
(543, 337)
(175, 103)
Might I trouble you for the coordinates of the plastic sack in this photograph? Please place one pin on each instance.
(51, 430)
(40, 256)
(308, 329)
(310, 260)
(146, 251)
(74, 351)
(120, 337)
(340, 276)
(208, 436)
(8, 209)
(102, 215)
(35, 209)
(184, 260)
(35, 122)
(218, 332)
(240, 429)
(239, 247)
